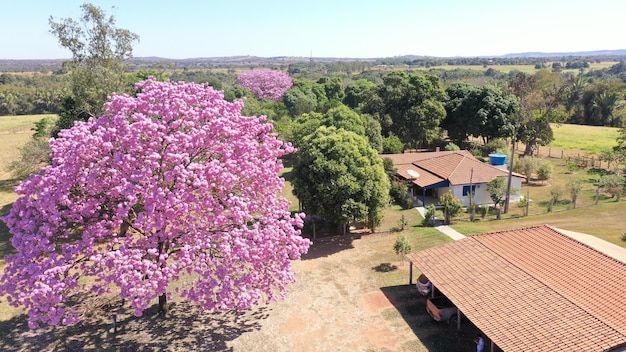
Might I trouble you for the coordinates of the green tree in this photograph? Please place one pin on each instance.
(574, 186)
(556, 192)
(373, 132)
(357, 93)
(539, 96)
(392, 144)
(613, 185)
(497, 191)
(544, 171)
(97, 69)
(484, 112)
(338, 176)
(402, 247)
(526, 166)
(452, 206)
(344, 117)
(410, 106)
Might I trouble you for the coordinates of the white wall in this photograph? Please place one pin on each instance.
(481, 196)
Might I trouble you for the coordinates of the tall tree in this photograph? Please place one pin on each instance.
(539, 97)
(484, 112)
(266, 84)
(173, 182)
(410, 106)
(97, 69)
(338, 176)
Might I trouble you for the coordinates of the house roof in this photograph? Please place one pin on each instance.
(456, 167)
(532, 289)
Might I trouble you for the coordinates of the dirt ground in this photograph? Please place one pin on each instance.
(350, 296)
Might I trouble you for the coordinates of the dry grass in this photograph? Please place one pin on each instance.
(605, 220)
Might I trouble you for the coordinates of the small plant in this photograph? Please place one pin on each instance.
(484, 209)
(429, 216)
(571, 165)
(555, 194)
(544, 171)
(452, 206)
(402, 247)
(408, 202)
(403, 223)
(523, 203)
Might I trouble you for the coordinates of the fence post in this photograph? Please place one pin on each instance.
(561, 154)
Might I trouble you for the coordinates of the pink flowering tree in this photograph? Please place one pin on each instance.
(173, 185)
(266, 84)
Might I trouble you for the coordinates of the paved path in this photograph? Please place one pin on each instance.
(446, 230)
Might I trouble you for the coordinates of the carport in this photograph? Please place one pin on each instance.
(532, 289)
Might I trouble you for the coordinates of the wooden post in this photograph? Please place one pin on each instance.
(410, 273)
(561, 154)
(458, 320)
(114, 317)
(550, 152)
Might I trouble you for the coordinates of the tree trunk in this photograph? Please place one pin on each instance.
(163, 303)
(162, 247)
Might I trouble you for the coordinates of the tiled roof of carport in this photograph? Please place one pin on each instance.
(532, 289)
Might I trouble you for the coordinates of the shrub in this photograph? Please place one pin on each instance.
(544, 171)
(408, 202)
(402, 247)
(526, 166)
(451, 147)
(613, 185)
(398, 191)
(484, 209)
(429, 216)
(451, 205)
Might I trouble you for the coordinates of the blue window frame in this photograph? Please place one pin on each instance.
(466, 190)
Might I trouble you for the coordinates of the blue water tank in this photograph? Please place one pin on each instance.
(497, 159)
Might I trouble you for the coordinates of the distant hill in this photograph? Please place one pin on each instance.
(619, 52)
(139, 63)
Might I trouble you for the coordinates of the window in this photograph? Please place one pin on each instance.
(466, 190)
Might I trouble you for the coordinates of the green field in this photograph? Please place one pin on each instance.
(589, 139)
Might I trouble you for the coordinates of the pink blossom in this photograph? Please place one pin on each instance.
(266, 84)
(171, 183)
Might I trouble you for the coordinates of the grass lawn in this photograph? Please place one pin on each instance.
(604, 220)
(583, 139)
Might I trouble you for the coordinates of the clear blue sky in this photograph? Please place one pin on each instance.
(328, 28)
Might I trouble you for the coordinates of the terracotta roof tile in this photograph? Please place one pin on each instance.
(532, 289)
(457, 167)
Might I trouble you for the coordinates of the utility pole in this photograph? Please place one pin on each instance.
(508, 185)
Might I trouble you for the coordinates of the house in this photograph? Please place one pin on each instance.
(534, 289)
(433, 174)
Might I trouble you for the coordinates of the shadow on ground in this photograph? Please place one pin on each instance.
(183, 329)
(328, 245)
(436, 336)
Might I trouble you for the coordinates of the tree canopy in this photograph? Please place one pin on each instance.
(484, 112)
(338, 176)
(410, 106)
(97, 68)
(266, 84)
(172, 184)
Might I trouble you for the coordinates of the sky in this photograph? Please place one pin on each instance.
(327, 28)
